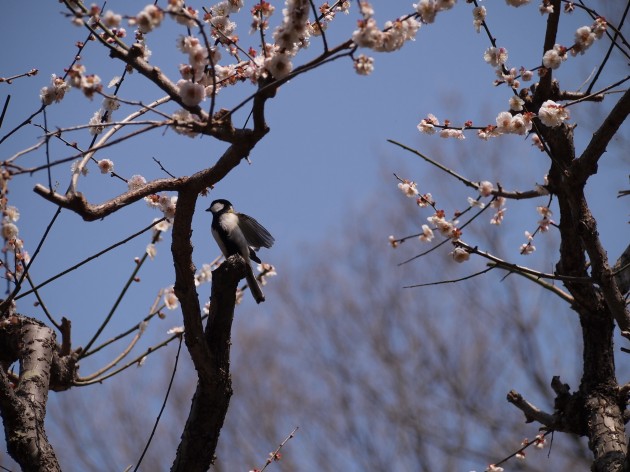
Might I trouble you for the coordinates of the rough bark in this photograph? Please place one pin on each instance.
(214, 386)
(23, 400)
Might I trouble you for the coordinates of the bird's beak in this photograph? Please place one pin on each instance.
(209, 209)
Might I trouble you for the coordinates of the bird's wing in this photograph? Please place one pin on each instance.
(256, 235)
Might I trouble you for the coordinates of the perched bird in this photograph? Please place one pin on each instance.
(236, 233)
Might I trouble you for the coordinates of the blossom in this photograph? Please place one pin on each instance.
(527, 248)
(516, 3)
(474, 202)
(90, 84)
(366, 8)
(110, 104)
(452, 133)
(515, 124)
(521, 124)
(106, 166)
(536, 141)
(584, 38)
(446, 228)
(11, 213)
(479, 16)
(408, 188)
(546, 221)
(497, 219)
(76, 167)
(187, 44)
(599, 27)
(488, 132)
(136, 182)
(182, 117)
(427, 234)
(495, 56)
(551, 114)
(191, 93)
(509, 78)
(504, 121)
(170, 299)
(393, 36)
(485, 188)
(293, 32)
(148, 19)
(55, 92)
(111, 19)
(97, 121)
(393, 242)
(367, 35)
(425, 200)
(426, 9)
(151, 251)
(203, 275)
(266, 270)
(554, 57)
(460, 255)
(222, 27)
(181, 13)
(279, 65)
(526, 75)
(492, 467)
(176, 330)
(516, 103)
(427, 125)
(162, 226)
(364, 65)
(9, 230)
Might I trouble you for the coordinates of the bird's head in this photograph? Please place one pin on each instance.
(220, 206)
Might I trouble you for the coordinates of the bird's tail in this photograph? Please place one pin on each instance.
(257, 292)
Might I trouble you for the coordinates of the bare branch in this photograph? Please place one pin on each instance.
(531, 412)
(587, 162)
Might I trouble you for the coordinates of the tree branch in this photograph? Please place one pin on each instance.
(23, 406)
(586, 164)
(195, 452)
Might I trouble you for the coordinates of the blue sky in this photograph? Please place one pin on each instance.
(326, 153)
(325, 157)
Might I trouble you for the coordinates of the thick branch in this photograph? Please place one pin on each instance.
(587, 163)
(76, 202)
(531, 412)
(89, 212)
(214, 388)
(544, 88)
(23, 406)
(621, 271)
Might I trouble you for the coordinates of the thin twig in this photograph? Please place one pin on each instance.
(41, 303)
(274, 456)
(135, 361)
(168, 391)
(85, 261)
(155, 310)
(537, 280)
(9, 80)
(517, 268)
(452, 280)
(123, 292)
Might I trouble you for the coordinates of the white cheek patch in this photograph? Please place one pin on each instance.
(216, 207)
(229, 221)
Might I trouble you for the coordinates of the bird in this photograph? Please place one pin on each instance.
(237, 233)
